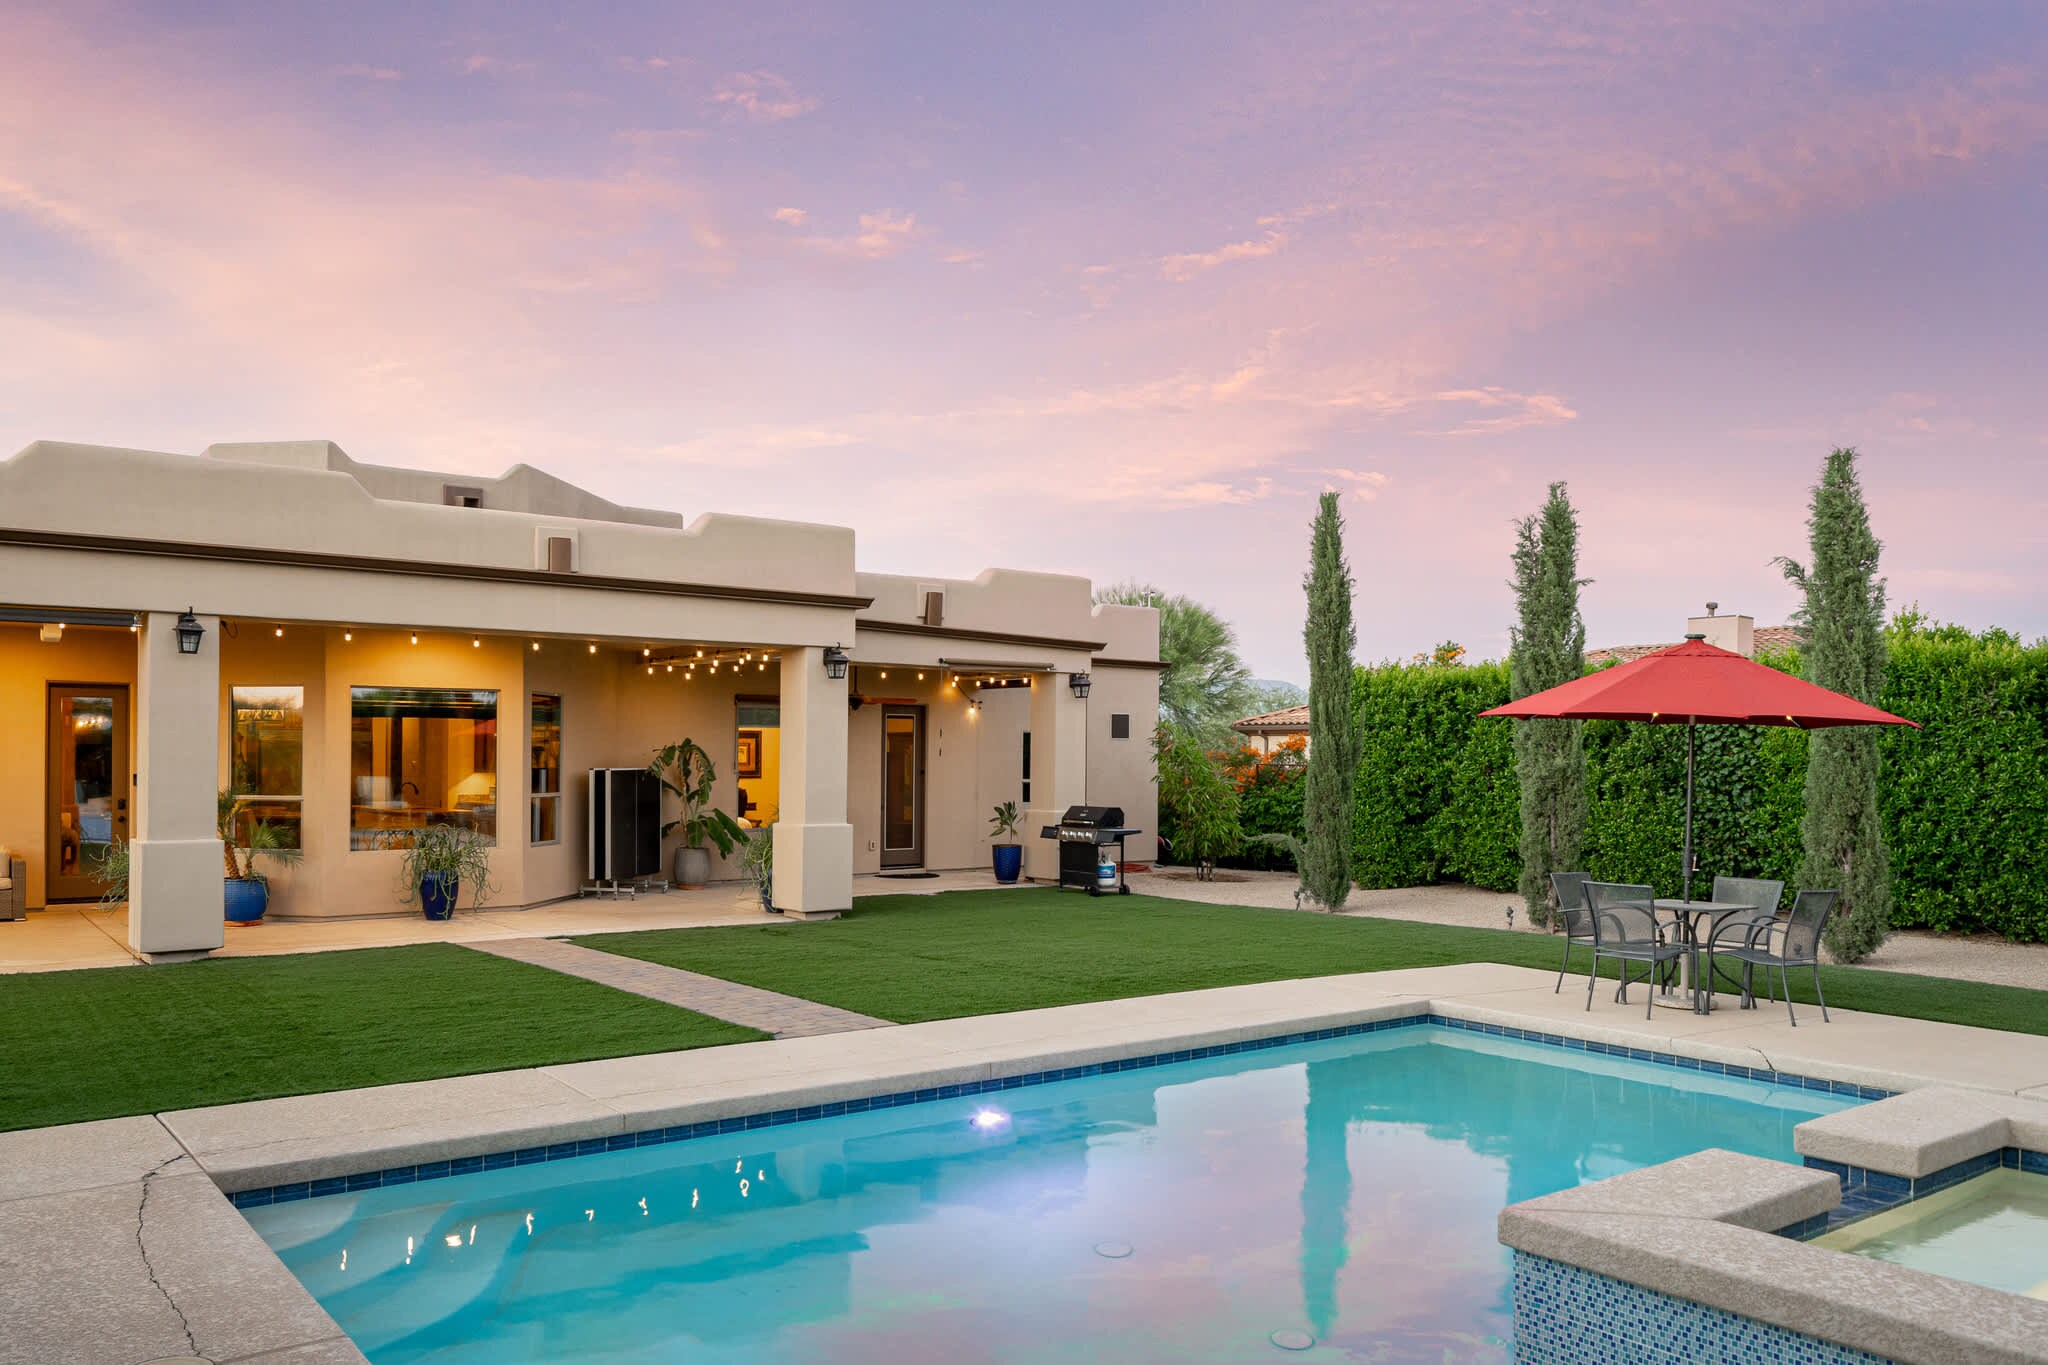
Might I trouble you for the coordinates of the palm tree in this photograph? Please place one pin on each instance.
(1206, 685)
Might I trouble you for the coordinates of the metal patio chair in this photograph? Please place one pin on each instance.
(1734, 929)
(1570, 890)
(1625, 929)
(1797, 944)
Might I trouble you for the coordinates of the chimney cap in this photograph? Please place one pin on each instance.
(1712, 607)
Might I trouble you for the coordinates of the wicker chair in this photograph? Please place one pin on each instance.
(1625, 929)
(1797, 944)
(1570, 890)
(13, 887)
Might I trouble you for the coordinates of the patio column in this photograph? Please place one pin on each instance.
(174, 874)
(1059, 768)
(813, 841)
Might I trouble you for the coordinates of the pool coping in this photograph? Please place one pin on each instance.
(1701, 1227)
(268, 1143)
(441, 1169)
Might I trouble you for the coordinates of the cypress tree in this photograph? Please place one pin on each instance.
(1333, 737)
(1548, 647)
(1842, 832)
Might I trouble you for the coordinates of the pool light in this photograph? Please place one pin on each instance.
(988, 1120)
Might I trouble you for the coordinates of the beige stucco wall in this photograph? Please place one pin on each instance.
(299, 497)
(27, 668)
(1120, 771)
(56, 486)
(522, 488)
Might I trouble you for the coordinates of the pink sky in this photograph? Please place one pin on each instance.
(1112, 290)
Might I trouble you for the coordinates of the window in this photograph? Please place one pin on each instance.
(1026, 802)
(544, 813)
(421, 756)
(266, 756)
(1119, 725)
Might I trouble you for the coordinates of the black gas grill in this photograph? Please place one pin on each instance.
(1085, 833)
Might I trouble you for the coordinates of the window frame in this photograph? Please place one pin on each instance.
(535, 798)
(369, 838)
(254, 804)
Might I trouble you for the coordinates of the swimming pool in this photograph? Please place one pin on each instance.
(1341, 1193)
(1990, 1230)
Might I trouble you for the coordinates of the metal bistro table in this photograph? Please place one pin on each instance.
(1688, 914)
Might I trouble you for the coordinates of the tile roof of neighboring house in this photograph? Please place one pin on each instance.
(1288, 720)
(1765, 639)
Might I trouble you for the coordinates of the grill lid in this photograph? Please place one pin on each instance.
(1093, 817)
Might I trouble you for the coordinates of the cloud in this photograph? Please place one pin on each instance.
(1523, 410)
(643, 65)
(761, 96)
(364, 72)
(483, 64)
(971, 259)
(1188, 264)
(883, 234)
(793, 217)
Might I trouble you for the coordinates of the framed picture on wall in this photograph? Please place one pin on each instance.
(747, 759)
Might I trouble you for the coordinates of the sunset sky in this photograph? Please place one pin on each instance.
(1111, 289)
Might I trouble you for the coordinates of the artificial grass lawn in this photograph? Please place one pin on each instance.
(912, 958)
(139, 1040)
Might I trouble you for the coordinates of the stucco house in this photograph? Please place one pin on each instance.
(381, 649)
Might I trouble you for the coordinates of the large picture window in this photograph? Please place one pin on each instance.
(544, 813)
(421, 756)
(267, 756)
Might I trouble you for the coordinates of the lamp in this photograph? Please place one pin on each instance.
(190, 632)
(1080, 682)
(835, 663)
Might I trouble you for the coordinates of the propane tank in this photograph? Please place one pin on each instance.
(1105, 875)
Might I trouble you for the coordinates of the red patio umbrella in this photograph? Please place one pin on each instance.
(1695, 683)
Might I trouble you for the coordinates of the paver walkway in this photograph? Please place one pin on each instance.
(784, 1016)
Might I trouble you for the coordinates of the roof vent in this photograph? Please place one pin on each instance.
(554, 550)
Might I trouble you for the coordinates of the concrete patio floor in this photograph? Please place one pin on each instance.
(117, 1242)
(67, 937)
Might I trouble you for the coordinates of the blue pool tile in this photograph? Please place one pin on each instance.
(498, 1161)
(331, 1185)
(433, 1170)
(526, 1156)
(250, 1199)
(468, 1165)
(402, 1175)
(367, 1180)
(2036, 1162)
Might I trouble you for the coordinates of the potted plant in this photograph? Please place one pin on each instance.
(1009, 855)
(245, 891)
(438, 861)
(758, 858)
(685, 770)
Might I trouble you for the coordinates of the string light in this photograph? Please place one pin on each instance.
(644, 652)
(415, 637)
(650, 670)
(476, 643)
(348, 635)
(279, 632)
(593, 649)
(920, 676)
(536, 646)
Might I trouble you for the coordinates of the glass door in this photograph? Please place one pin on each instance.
(903, 786)
(88, 787)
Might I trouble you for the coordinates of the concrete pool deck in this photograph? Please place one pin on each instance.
(118, 1243)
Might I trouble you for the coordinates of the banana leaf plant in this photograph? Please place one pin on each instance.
(685, 771)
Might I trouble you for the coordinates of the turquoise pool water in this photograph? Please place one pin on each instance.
(1234, 1208)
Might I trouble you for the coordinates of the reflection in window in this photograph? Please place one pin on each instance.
(544, 817)
(421, 756)
(266, 757)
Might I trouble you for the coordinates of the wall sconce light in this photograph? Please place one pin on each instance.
(836, 660)
(190, 632)
(1080, 682)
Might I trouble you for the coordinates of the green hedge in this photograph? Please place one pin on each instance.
(1966, 798)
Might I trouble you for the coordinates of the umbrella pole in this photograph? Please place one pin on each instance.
(1690, 724)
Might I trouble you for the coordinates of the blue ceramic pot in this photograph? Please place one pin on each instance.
(243, 901)
(1009, 861)
(438, 893)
